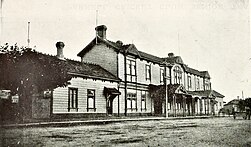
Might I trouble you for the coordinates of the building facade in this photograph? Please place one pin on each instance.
(143, 75)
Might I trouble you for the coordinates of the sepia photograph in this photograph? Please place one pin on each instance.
(125, 73)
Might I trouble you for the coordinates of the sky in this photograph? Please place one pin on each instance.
(212, 35)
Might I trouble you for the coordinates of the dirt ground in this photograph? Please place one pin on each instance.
(223, 131)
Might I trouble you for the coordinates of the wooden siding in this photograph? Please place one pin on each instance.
(121, 69)
(60, 96)
(149, 101)
(104, 56)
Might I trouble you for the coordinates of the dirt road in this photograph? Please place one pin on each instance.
(190, 132)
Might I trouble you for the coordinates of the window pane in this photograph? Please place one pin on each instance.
(133, 63)
(148, 72)
(143, 95)
(90, 103)
(128, 78)
(161, 75)
(143, 104)
(128, 103)
(72, 103)
(128, 69)
(133, 103)
(133, 70)
(91, 98)
(133, 79)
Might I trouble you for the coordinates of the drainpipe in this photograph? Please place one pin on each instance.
(166, 91)
(125, 82)
(118, 99)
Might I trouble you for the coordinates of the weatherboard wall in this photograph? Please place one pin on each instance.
(104, 56)
(60, 96)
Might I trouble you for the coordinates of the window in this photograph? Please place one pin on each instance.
(207, 84)
(198, 84)
(162, 75)
(177, 75)
(131, 99)
(148, 72)
(72, 98)
(91, 99)
(201, 105)
(131, 70)
(143, 100)
(189, 81)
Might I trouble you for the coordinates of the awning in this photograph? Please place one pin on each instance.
(172, 89)
(111, 91)
(160, 90)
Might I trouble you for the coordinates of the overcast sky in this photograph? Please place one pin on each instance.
(211, 35)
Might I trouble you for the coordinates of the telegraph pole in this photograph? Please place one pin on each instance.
(1, 28)
(28, 40)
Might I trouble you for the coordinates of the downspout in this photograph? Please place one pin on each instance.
(166, 91)
(170, 69)
(204, 84)
(150, 83)
(119, 81)
(125, 82)
(118, 99)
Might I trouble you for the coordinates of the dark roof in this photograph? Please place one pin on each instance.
(206, 93)
(112, 91)
(178, 60)
(174, 59)
(150, 57)
(86, 70)
(217, 94)
(191, 70)
(97, 40)
(172, 88)
(132, 50)
(89, 70)
(234, 101)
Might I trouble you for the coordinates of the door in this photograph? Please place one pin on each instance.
(109, 106)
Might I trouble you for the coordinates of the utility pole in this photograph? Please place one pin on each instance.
(96, 26)
(28, 40)
(166, 88)
(1, 28)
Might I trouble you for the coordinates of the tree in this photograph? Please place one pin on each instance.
(244, 104)
(25, 71)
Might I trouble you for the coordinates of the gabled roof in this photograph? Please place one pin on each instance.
(86, 70)
(89, 70)
(174, 59)
(206, 93)
(205, 74)
(178, 60)
(131, 49)
(217, 94)
(234, 101)
(93, 43)
(172, 89)
(150, 57)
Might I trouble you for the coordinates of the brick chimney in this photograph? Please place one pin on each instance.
(101, 31)
(60, 47)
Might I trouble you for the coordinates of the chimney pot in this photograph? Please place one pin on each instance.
(170, 54)
(60, 46)
(119, 43)
(101, 31)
